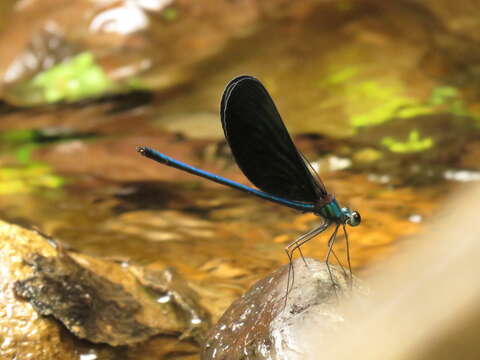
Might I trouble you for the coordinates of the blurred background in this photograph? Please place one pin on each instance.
(381, 97)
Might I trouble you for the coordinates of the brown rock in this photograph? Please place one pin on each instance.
(97, 300)
(160, 42)
(260, 325)
(24, 332)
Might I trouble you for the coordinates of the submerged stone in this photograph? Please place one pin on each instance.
(261, 325)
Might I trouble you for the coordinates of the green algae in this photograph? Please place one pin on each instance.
(383, 103)
(367, 155)
(368, 102)
(17, 136)
(26, 175)
(341, 75)
(375, 103)
(449, 99)
(78, 78)
(413, 143)
(443, 94)
(170, 14)
(27, 179)
(20, 143)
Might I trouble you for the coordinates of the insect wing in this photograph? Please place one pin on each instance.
(261, 144)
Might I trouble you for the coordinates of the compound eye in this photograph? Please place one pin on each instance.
(355, 219)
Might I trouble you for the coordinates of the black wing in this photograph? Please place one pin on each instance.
(261, 145)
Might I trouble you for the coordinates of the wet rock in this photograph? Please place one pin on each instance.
(25, 334)
(89, 306)
(101, 301)
(176, 290)
(157, 43)
(260, 325)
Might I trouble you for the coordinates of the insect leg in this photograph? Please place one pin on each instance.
(290, 248)
(330, 243)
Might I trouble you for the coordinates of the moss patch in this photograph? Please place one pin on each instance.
(14, 180)
(26, 175)
(369, 100)
(78, 78)
(413, 143)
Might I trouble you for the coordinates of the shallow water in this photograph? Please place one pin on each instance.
(391, 134)
(111, 202)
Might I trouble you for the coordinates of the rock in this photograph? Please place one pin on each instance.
(178, 292)
(260, 325)
(128, 44)
(46, 289)
(24, 331)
